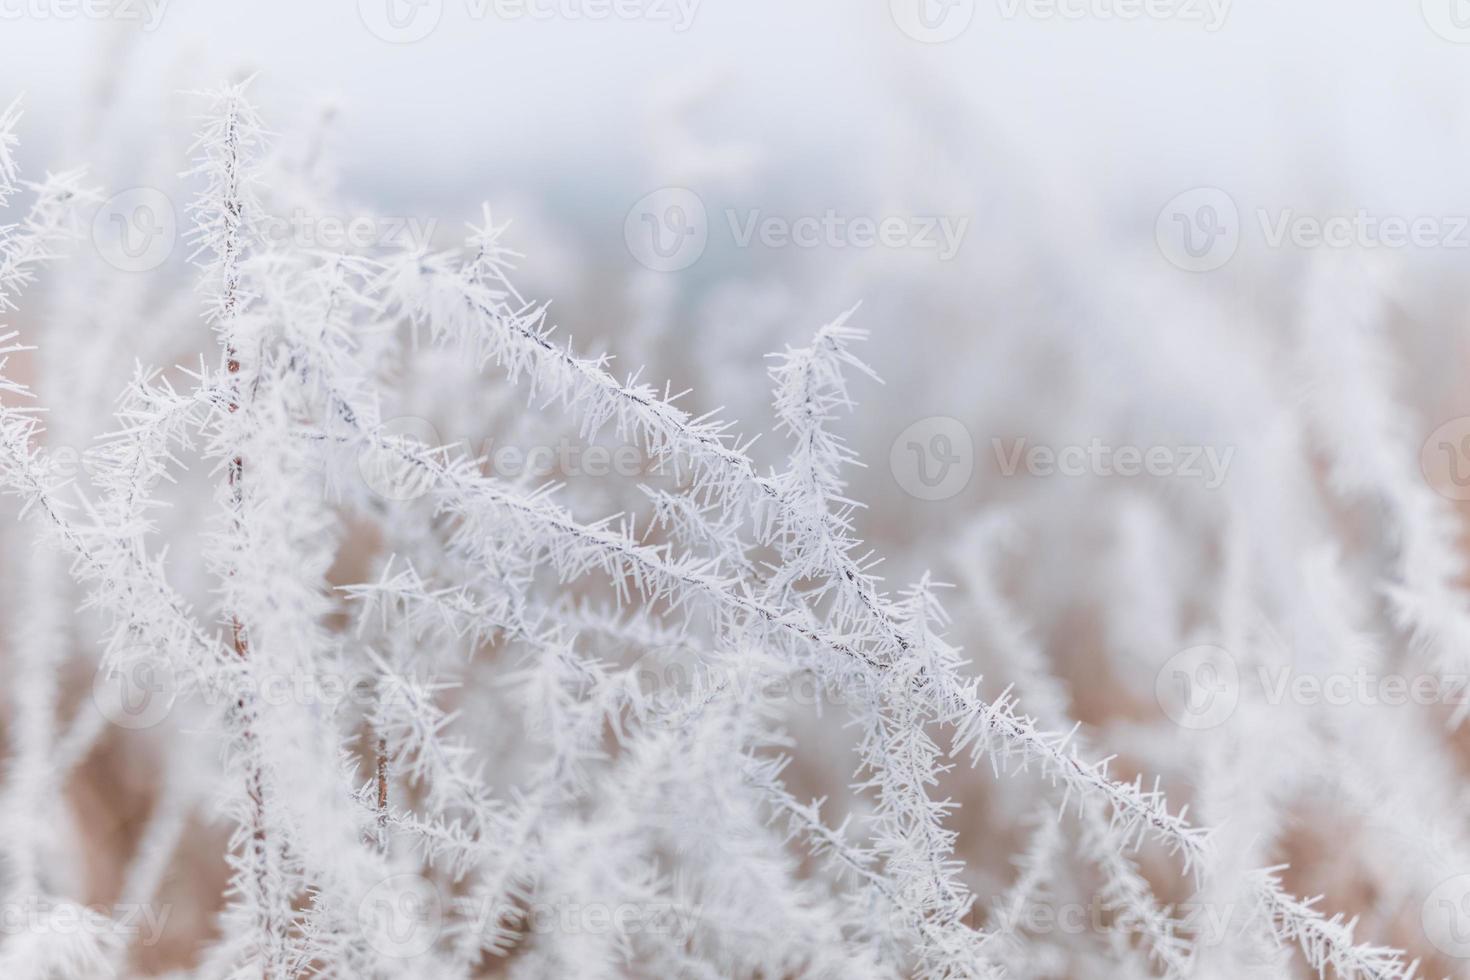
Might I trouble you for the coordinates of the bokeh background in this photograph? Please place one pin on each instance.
(1058, 133)
(1073, 145)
